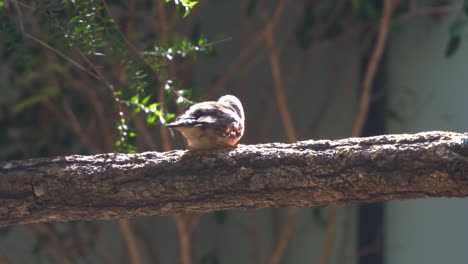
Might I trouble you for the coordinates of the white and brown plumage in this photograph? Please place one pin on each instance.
(210, 125)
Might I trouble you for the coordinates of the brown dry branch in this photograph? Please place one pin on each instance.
(130, 241)
(124, 224)
(428, 10)
(55, 247)
(281, 97)
(329, 237)
(185, 241)
(307, 173)
(369, 76)
(184, 229)
(362, 111)
(251, 45)
(284, 237)
(278, 84)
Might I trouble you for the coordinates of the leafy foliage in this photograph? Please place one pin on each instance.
(456, 31)
(186, 4)
(86, 36)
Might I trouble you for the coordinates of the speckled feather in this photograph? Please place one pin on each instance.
(212, 124)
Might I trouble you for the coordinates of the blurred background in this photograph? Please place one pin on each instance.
(85, 77)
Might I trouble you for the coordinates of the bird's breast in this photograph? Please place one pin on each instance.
(207, 138)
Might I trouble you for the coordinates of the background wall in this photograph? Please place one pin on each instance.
(427, 91)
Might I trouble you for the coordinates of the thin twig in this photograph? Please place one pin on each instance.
(181, 220)
(53, 244)
(329, 236)
(162, 22)
(185, 239)
(255, 42)
(27, 35)
(165, 138)
(296, 71)
(284, 237)
(79, 85)
(4, 260)
(144, 133)
(26, 5)
(20, 15)
(125, 39)
(75, 124)
(346, 238)
(81, 67)
(130, 241)
(288, 227)
(150, 241)
(416, 10)
(279, 83)
(101, 77)
(164, 38)
(331, 92)
(124, 224)
(255, 238)
(373, 247)
(101, 243)
(371, 69)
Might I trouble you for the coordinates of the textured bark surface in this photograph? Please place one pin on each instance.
(308, 173)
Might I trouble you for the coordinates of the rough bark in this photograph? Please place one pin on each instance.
(308, 173)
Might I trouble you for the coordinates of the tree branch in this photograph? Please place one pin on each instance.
(307, 173)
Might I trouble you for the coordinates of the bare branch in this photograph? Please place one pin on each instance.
(130, 240)
(382, 35)
(307, 173)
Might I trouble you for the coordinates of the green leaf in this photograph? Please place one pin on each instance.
(170, 116)
(153, 107)
(27, 103)
(201, 41)
(136, 109)
(31, 101)
(135, 99)
(192, 4)
(452, 46)
(131, 149)
(146, 100)
(150, 119)
(457, 27)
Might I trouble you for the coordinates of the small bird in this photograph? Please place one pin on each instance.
(211, 125)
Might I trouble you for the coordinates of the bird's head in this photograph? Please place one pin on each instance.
(233, 102)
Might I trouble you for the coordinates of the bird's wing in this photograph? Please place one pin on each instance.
(206, 114)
